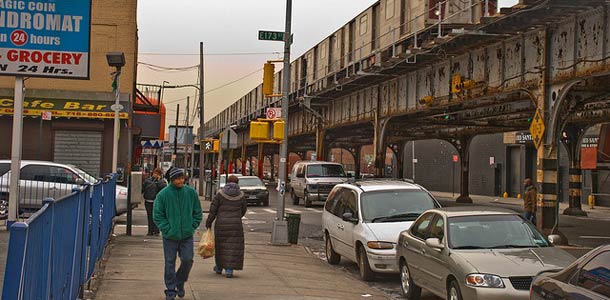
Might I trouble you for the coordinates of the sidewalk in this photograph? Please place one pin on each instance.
(599, 212)
(134, 270)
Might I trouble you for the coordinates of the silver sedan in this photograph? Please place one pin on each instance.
(474, 253)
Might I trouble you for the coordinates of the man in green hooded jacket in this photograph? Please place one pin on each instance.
(177, 213)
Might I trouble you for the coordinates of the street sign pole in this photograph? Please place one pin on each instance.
(115, 133)
(280, 230)
(13, 197)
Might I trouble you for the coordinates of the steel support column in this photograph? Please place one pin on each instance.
(320, 145)
(399, 154)
(571, 139)
(379, 145)
(261, 160)
(356, 152)
(463, 147)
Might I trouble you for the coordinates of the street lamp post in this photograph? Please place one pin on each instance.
(117, 60)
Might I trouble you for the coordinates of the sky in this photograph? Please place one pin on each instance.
(169, 36)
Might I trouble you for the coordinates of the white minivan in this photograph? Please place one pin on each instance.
(362, 221)
(313, 180)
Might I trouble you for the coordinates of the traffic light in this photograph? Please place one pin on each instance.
(268, 73)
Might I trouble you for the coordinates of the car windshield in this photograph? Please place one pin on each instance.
(493, 232)
(395, 205)
(4, 167)
(328, 170)
(88, 177)
(250, 182)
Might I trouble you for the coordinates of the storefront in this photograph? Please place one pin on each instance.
(67, 127)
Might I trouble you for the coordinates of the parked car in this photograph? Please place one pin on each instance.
(474, 253)
(362, 220)
(42, 179)
(588, 278)
(254, 190)
(222, 179)
(313, 180)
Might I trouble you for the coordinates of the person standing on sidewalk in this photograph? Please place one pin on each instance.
(227, 208)
(529, 201)
(177, 213)
(150, 188)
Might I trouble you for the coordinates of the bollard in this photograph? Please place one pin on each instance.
(505, 195)
(591, 201)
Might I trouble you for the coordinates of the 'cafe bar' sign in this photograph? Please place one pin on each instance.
(64, 108)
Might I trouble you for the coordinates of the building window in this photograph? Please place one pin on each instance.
(364, 24)
(389, 9)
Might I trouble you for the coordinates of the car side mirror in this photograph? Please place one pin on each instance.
(349, 217)
(434, 243)
(555, 239)
(79, 181)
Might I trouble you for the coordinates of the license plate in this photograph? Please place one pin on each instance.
(251, 197)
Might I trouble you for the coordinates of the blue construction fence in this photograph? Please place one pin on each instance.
(53, 254)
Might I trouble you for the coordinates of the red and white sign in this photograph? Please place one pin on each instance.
(274, 113)
(455, 158)
(47, 115)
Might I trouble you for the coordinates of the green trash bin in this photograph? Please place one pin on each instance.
(293, 220)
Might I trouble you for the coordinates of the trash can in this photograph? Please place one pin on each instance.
(293, 221)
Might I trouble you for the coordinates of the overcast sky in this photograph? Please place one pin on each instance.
(170, 32)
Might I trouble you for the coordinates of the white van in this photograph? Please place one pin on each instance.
(313, 180)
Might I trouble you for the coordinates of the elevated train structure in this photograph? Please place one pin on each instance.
(394, 74)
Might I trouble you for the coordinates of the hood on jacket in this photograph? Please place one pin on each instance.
(231, 191)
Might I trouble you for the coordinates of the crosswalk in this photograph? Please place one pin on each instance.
(288, 210)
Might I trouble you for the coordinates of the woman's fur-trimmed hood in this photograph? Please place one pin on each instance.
(231, 191)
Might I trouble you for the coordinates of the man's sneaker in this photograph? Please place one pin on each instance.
(229, 273)
(217, 270)
(180, 289)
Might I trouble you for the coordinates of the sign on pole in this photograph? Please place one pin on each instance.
(278, 36)
(537, 128)
(231, 135)
(45, 38)
(274, 113)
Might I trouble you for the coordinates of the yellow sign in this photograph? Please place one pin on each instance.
(537, 128)
(456, 83)
(62, 108)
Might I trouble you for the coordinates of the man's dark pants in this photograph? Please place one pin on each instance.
(171, 249)
(152, 227)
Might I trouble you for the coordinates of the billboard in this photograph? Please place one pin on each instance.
(45, 38)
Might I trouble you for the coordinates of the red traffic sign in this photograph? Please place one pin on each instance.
(455, 158)
(274, 113)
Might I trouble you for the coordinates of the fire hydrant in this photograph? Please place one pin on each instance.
(591, 200)
(505, 195)
(518, 196)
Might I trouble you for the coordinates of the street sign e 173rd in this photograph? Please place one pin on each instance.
(537, 129)
(264, 35)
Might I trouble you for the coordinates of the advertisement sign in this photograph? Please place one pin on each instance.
(45, 38)
(588, 160)
(64, 108)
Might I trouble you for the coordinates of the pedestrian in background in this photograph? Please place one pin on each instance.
(150, 188)
(529, 200)
(177, 213)
(227, 208)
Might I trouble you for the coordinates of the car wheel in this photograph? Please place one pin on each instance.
(453, 292)
(3, 207)
(332, 257)
(363, 264)
(295, 199)
(306, 200)
(408, 287)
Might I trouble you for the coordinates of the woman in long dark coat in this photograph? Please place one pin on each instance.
(228, 207)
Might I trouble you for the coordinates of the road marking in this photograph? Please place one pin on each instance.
(139, 226)
(595, 237)
(290, 210)
(312, 209)
(271, 211)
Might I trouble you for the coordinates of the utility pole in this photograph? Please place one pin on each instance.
(186, 135)
(280, 230)
(16, 149)
(201, 123)
(175, 155)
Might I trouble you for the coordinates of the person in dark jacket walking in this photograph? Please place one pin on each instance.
(227, 208)
(177, 213)
(529, 201)
(150, 188)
